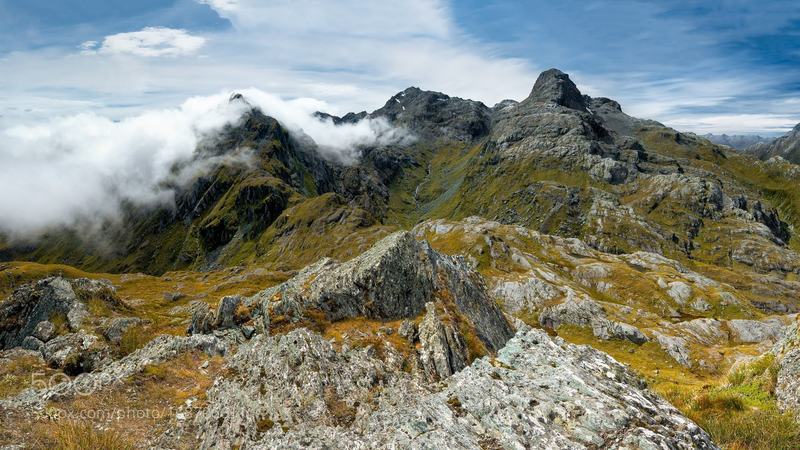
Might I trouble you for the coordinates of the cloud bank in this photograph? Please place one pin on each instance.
(80, 169)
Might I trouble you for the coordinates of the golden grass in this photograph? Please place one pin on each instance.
(83, 436)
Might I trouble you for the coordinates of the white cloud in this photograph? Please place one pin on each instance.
(149, 42)
(221, 6)
(78, 169)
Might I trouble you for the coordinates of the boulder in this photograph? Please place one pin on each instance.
(677, 347)
(226, 311)
(44, 331)
(202, 320)
(162, 348)
(574, 311)
(608, 329)
(526, 295)
(680, 292)
(408, 331)
(74, 353)
(31, 304)
(32, 343)
(118, 326)
(584, 312)
(787, 360)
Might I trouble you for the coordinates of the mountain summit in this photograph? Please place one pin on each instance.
(555, 86)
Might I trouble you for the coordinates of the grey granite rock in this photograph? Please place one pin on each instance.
(442, 351)
(224, 317)
(755, 331)
(160, 349)
(392, 280)
(296, 391)
(118, 326)
(584, 312)
(34, 303)
(44, 331)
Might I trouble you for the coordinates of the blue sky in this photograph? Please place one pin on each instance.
(723, 66)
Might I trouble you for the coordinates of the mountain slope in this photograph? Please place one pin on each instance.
(786, 146)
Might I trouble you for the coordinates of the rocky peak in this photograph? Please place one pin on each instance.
(349, 118)
(433, 114)
(555, 87)
(237, 97)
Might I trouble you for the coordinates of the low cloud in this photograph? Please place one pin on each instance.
(340, 142)
(78, 170)
(148, 42)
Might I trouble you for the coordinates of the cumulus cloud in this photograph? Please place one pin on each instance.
(148, 42)
(80, 169)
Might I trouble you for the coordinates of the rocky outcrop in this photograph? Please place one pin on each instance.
(554, 87)
(676, 346)
(443, 351)
(392, 280)
(75, 353)
(525, 295)
(48, 300)
(296, 391)
(117, 327)
(159, 350)
(755, 331)
(588, 313)
(204, 320)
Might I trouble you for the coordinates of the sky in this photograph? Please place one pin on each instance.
(726, 66)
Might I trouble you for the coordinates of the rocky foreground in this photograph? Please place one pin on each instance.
(448, 371)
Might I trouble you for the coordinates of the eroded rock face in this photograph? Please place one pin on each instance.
(443, 351)
(392, 280)
(296, 391)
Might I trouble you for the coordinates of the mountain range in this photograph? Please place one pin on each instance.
(434, 292)
(737, 141)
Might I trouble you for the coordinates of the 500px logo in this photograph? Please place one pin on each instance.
(82, 385)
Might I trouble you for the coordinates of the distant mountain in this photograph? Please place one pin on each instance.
(737, 141)
(786, 146)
